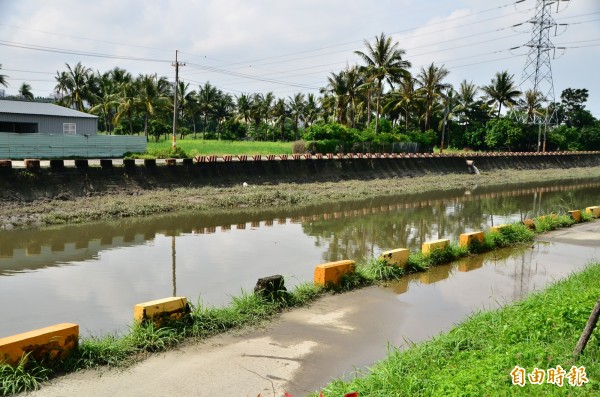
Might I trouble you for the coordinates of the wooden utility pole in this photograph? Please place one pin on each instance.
(177, 64)
(587, 331)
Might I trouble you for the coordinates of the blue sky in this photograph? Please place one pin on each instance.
(289, 46)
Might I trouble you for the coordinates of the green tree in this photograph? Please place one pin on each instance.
(296, 107)
(25, 92)
(502, 91)
(73, 83)
(3, 78)
(431, 87)
(383, 61)
(503, 132)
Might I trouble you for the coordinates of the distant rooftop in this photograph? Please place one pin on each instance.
(39, 108)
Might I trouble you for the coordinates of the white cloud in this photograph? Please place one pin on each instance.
(299, 42)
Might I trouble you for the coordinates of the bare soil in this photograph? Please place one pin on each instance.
(77, 202)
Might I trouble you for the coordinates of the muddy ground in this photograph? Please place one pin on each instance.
(41, 202)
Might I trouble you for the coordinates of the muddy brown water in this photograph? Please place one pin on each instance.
(94, 274)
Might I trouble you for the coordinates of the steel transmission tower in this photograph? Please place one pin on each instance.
(537, 73)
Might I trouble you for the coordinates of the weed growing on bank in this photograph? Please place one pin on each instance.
(250, 309)
(476, 358)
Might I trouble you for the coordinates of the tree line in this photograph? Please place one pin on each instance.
(378, 100)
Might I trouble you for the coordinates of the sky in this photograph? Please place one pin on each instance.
(291, 46)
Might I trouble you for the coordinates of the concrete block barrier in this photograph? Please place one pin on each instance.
(5, 164)
(530, 223)
(576, 215)
(32, 164)
(397, 257)
(332, 272)
(430, 246)
(594, 211)
(467, 239)
(161, 310)
(54, 342)
(498, 228)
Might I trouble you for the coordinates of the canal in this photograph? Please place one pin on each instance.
(94, 274)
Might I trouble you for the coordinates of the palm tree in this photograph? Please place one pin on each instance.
(244, 106)
(207, 99)
(532, 104)
(224, 108)
(74, 83)
(25, 92)
(383, 62)
(431, 87)
(311, 110)
(337, 88)
(404, 98)
(280, 113)
(502, 91)
(354, 82)
(296, 108)
(105, 98)
(3, 78)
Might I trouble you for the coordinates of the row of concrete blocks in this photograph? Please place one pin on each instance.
(55, 342)
(107, 163)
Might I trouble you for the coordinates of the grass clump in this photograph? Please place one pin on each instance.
(477, 356)
(25, 376)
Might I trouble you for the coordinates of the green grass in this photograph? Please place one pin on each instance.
(193, 147)
(477, 356)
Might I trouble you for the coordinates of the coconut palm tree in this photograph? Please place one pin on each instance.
(296, 108)
(3, 78)
(25, 92)
(404, 97)
(311, 110)
(383, 61)
(105, 98)
(74, 83)
(531, 105)
(280, 114)
(502, 91)
(244, 106)
(430, 87)
(207, 102)
(336, 86)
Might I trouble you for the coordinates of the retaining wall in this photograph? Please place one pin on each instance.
(86, 179)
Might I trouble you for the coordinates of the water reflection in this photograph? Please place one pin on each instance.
(94, 274)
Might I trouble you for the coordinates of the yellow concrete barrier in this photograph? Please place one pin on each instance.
(429, 246)
(332, 272)
(467, 238)
(397, 257)
(530, 223)
(161, 309)
(52, 342)
(576, 215)
(498, 228)
(595, 211)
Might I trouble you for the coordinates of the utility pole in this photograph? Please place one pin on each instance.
(177, 64)
(537, 72)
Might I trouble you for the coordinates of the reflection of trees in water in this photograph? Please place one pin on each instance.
(372, 231)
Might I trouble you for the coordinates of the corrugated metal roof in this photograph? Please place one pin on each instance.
(39, 108)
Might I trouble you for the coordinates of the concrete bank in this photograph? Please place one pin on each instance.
(303, 349)
(89, 177)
